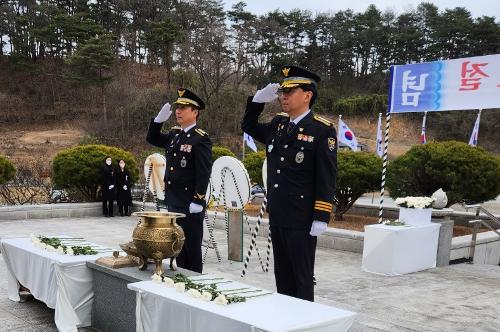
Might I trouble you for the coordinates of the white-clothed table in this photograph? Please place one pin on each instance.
(397, 250)
(62, 282)
(160, 308)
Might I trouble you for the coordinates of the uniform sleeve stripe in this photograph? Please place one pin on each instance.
(322, 209)
(323, 204)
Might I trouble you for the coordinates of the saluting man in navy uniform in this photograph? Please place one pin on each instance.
(301, 153)
(188, 151)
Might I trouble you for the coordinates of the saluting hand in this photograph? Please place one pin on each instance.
(164, 114)
(267, 94)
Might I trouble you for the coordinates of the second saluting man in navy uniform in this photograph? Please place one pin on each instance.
(301, 153)
(188, 151)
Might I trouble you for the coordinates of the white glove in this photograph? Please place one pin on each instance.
(195, 208)
(268, 94)
(111, 187)
(318, 227)
(124, 187)
(164, 114)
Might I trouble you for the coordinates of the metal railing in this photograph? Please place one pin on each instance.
(481, 222)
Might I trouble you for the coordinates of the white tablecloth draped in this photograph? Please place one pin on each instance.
(62, 282)
(397, 250)
(163, 309)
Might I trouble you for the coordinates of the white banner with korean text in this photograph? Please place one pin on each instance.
(458, 84)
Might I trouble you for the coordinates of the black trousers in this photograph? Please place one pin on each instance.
(294, 252)
(107, 207)
(123, 210)
(190, 257)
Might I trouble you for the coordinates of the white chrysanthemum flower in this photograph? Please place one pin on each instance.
(70, 251)
(221, 299)
(414, 202)
(51, 248)
(60, 250)
(168, 282)
(180, 287)
(206, 296)
(156, 278)
(400, 201)
(194, 293)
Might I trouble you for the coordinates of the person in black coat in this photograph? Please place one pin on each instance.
(123, 189)
(108, 187)
(188, 152)
(301, 166)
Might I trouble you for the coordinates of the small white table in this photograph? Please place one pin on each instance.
(397, 250)
(163, 309)
(62, 282)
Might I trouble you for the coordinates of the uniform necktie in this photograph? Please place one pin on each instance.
(291, 125)
(180, 136)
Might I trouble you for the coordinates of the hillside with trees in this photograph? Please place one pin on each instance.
(103, 68)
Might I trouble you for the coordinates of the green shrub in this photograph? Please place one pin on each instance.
(219, 151)
(79, 168)
(253, 163)
(357, 173)
(7, 170)
(465, 173)
(361, 105)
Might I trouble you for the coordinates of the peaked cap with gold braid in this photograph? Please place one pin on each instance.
(186, 97)
(295, 76)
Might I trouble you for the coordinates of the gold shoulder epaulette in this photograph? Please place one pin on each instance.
(201, 132)
(323, 120)
(176, 128)
(283, 114)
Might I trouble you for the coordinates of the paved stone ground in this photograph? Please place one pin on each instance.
(455, 298)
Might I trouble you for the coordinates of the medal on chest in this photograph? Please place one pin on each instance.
(299, 157)
(183, 162)
(185, 148)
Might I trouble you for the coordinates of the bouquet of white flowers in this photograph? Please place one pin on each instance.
(415, 202)
(55, 244)
(396, 222)
(208, 292)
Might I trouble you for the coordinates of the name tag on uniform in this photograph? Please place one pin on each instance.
(186, 148)
(305, 138)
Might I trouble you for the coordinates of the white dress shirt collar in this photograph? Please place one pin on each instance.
(189, 128)
(300, 117)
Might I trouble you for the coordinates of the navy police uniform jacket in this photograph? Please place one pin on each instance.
(189, 163)
(301, 166)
